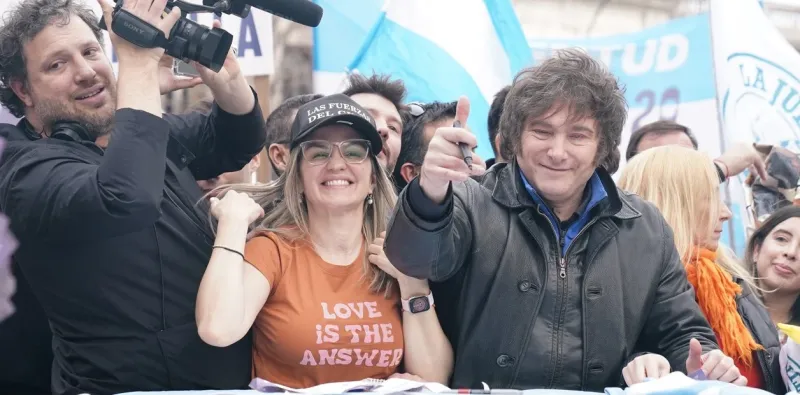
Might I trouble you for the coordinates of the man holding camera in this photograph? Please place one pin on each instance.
(114, 237)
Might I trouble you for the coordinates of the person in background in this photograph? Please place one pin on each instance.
(687, 194)
(417, 134)
(313, 282)
(383, 98)
(111, 239)
(246, 174)
(493, 123)
(772, 255)
(657, 134)
(544, 252)
(279, 130)
(738, 158)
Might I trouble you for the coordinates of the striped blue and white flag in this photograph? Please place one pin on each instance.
(344, 26)
(443, 49)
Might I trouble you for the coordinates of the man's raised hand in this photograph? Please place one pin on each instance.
(444, 162)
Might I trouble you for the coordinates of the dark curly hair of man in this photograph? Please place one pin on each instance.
(20, 25)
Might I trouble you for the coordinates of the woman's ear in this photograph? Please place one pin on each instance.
(756, 250)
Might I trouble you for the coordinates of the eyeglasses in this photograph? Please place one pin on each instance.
(416, 108)
(319, 152)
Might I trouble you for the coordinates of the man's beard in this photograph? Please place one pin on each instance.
(97, 122)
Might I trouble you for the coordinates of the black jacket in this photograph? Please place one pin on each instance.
(25, 337)
(114, 244)
(758, 321)
(514, 320)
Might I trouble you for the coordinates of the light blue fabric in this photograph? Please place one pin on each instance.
(432, 73)
(696, 388)
(341, 32)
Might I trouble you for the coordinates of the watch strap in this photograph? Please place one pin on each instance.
(409, 305)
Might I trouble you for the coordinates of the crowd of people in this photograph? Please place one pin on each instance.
(149, 259)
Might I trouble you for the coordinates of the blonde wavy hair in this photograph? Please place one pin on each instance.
(286, 213)
(684, 186)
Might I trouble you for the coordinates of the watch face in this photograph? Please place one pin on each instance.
(419, 304)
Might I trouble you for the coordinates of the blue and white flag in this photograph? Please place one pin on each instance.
(758, 85)
(443, 49)
(344, 26)
(667, 71)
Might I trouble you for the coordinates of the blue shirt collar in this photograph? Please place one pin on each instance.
(597, 193)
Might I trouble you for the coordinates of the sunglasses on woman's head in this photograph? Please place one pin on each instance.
(319, 152)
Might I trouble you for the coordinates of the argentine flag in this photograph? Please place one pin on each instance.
(443, 49)
(344, 26)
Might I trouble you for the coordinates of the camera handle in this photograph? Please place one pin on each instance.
(136, 31)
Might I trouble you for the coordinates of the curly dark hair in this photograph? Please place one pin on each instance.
(583, 85)
(20, 25)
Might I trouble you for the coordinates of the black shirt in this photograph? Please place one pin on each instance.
(114, 244)
(25, 336)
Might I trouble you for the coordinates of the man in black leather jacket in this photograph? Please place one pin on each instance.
(546, 274)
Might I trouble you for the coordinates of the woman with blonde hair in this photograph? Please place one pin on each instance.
(324, 305)
(684, 185)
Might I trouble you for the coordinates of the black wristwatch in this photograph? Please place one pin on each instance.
(418, 304)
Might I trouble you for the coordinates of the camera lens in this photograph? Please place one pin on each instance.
(193, 41)
(215, 47)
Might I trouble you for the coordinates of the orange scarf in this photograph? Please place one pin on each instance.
(716, 294)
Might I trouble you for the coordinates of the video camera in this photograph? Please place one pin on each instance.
(189, 40)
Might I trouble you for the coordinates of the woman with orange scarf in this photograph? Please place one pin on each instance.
(684, 185)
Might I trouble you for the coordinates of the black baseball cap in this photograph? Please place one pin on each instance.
(335, 109)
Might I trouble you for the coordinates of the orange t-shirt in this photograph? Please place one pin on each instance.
(321, 323)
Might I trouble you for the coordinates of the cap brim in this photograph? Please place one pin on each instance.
(363, 127)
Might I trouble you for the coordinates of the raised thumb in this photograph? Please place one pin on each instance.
(695, 360)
